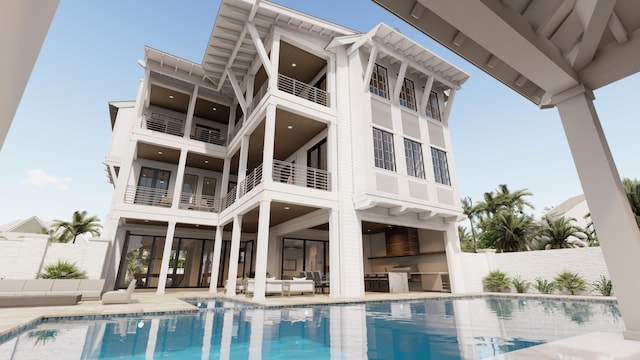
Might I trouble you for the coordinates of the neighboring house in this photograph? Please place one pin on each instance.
(25, 228)
(574, 207)
(295, 145)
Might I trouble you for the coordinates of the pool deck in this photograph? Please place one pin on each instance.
(589, 346)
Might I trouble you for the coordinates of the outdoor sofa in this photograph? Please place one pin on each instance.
(48, 292)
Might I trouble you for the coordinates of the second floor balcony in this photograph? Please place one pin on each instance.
(144, 195)
(285, 173)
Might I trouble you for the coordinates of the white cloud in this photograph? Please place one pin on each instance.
(39, 178)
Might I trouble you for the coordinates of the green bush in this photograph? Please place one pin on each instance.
(544, 286)
(520, 285)
(63, 269)
(497, 281)
(570, 281)
(603, 286)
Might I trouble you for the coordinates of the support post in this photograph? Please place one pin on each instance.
(166, 256)
(215, 264)
(608, 203)
(234, 253)
(262, 250)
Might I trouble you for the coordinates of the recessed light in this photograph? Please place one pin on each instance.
(290, 127)
(170, 96)
(197, 225)
(293, 65)
(206, 161)
(159, 152)
(287, 208)
(214, 109)
(146, 221)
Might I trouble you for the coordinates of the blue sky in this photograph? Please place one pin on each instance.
(52, 158)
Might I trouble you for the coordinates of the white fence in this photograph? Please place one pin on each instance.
(588, 262)
(25, 257)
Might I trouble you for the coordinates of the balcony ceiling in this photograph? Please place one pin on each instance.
(231, 46)
(539, 48)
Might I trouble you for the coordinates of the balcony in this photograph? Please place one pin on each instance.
(206, 203)
(143, 195)
(163, 123)
(283, 172)
(302, 90)
(208, 136)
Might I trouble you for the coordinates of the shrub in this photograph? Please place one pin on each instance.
(520, 285)
(603, 286)
(63, 269)
(544, 286)
(497, 281)
(570, 281)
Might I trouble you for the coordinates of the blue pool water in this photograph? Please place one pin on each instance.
(470, 328)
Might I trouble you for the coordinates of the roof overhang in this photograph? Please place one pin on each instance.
(538, 48)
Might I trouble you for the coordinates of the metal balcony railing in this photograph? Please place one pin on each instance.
(302, 90)
(163, 123)
(208, 136)
(294, 174)
(257, 98)
(230, 198)
(252, 180)
(144, 195)
(196, 202)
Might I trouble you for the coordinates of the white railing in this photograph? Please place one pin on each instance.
(236, 128)
(192, 201)
(144, 195)
(230, 198)
(302, 90)
(208, 136)
(250, 181)
(163, 123)
(294, 174)
(257, 98)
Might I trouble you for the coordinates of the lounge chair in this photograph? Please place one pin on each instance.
(119, 296)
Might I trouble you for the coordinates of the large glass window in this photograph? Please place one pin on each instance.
(378, 84)
(413, 154)
(209, 190)
(300, 255)
(317, 159)
(189, 189)
(408, 95)
(383, 150)
(152, 187)
(433, 107)
(440, 167)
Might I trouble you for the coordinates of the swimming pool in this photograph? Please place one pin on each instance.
(465, 328)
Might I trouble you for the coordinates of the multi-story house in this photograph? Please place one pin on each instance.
(296, 145)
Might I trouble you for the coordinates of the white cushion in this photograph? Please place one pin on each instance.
(271, 278)
(300, 278)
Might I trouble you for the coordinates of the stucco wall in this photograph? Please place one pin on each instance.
(24, 258)
(588, 262)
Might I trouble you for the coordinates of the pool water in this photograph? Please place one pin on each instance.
(469, 328)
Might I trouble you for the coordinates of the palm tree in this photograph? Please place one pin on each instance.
(556, 233)
(509, 232)
(80, 224)
(514, 200)
(632, 188)
(466, 241)
(470, 210)
(590, 231)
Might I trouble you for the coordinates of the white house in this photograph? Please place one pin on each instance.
(295, 145)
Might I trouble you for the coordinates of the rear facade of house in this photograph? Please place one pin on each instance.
(295, 145)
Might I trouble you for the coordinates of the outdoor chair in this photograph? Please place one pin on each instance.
(119, 296)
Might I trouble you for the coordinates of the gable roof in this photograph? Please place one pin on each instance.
(32, 225)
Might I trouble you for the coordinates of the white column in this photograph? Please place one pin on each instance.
(242, 162)
(215, 266)
(166, 255)
(177, 186)
(234, 253)
(262, 249)
(192, 106)
(269, 143)
(335, 283)
(454, 263)
(275, 58)
(224, 187)
(332, 155)
(610, 210)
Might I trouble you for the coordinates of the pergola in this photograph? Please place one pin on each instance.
(555, 53)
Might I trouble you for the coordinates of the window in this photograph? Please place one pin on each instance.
(378, 84)
(413, 153)
(433, 108)
(383, 150)
(440, 167)
(408, 95)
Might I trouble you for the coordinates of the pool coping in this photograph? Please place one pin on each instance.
(177, 303)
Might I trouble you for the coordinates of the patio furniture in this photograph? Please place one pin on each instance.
(87, 288)
(298, 286)
(320, 283)
(119, 296)
(272, 286)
